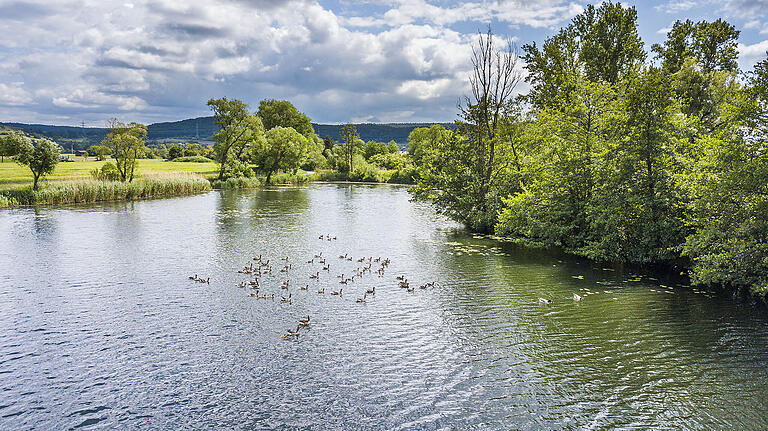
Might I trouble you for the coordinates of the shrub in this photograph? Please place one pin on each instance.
(108, 172)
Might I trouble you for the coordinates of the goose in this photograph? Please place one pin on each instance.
(576, 297)
(319, 254)
(378, 259)
(292, 333)
(320, 237)
(256, 294)
(365, 295)
(337, 292)
(305, 322)
(311, 260)
(401, 277)
(321, 291)
(372, 291)
(410, 289)
(193, 278)
(361, 259)
(349, 258)
(344, 256)
(286, 298)
(344, 281)
(315, 275)
(241, 285)
(305, 287)
(327, 268)
(545, 301)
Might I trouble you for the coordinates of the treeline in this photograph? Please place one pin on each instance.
(612, 155)
(277, 137)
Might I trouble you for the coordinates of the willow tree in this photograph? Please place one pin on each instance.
(126, 142)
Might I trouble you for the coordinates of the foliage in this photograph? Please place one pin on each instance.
(10, 144)
(283, 149)
(237, 131)
(126, 141)
(99, 151)
(108, 172)
(40, 158)
(282, 113)
(712, 45)
(392, 161)
(193, 159)
(175, 152)
(351, 146)
(600, 44)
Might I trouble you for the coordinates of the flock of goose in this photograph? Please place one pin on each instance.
(259, 267)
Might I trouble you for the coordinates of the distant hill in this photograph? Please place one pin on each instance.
(202, 129)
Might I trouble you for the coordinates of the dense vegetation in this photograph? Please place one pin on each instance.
(611, 155)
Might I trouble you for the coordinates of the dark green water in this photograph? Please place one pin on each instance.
(100, 326)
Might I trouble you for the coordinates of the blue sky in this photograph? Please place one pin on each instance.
(67, 61)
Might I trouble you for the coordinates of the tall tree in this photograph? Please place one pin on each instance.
(351, 146)
(475, 157)
(282, 113)
(284, 148)
(237, 128)
(126, 142)
(600, 44)
(41, 158)
(711, 44)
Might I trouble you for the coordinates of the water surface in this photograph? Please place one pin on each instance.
(100, 326)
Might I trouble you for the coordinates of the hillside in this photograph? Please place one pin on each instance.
(201, 129)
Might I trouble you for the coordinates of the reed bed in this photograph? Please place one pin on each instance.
(85, 191)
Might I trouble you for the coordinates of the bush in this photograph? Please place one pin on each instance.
(175, 152)
(108, 172)
(236, 183)
(193, 159)
(392, 161)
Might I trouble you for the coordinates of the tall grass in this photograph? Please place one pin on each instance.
(85, 191)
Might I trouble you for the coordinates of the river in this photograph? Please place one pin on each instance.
(101, 327)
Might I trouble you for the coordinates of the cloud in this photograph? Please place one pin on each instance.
(163, 59)
(676, 6)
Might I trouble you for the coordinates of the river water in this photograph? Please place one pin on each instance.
(100, 326)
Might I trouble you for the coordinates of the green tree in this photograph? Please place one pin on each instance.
(237, 130)
(282, 113)
(351, 146)
(126, 141)
(283, 149)
(372, 148)
(175, 152)
(10, 145)
(600, 44)
(392, 147)
(99, 151)
(328, 143)
(41, 158)
(192, 150)
(712, 45)
(422, 139)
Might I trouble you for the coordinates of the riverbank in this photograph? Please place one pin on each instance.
(158, 186)
(89, 191)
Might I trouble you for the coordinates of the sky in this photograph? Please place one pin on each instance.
(68, 62)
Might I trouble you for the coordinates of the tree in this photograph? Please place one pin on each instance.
(463, 174)
(192, 150)
(282, 113)
(711, 44)
(328, 143)
(99, 151)
(392, 147)
(600, 44)
(126, 142)
(283, 148)
(175, 152)
(372, 148)
(421, 139)
(237, 130)
(10, 145)
(40, 158)
(351, 146)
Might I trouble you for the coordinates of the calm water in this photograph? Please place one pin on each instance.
(100, 326)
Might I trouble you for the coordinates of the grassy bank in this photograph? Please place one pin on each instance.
(86, 191)
(14, 175)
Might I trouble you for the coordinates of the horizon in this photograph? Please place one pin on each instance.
(376, 62)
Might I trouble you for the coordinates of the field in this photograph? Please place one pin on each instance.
(15, 175)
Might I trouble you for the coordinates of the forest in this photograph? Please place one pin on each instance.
(614, 154)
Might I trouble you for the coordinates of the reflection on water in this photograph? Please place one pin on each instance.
(100, 326)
